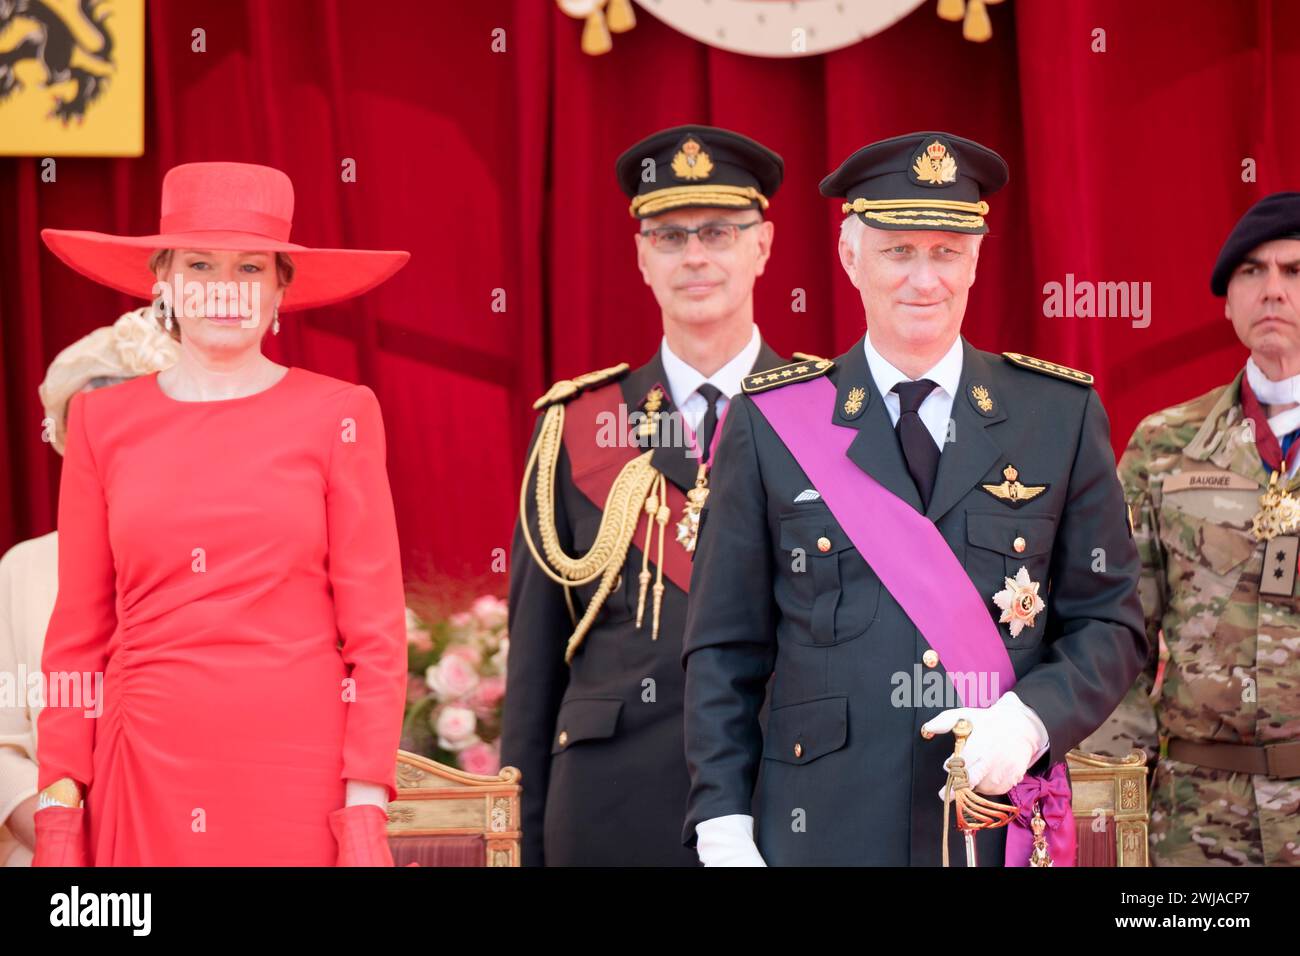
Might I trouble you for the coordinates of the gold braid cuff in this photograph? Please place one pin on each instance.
(618, 521)
(718, 194)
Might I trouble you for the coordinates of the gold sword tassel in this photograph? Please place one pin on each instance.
(651, 507)
(661, 517)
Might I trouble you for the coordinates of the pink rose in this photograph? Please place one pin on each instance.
(455, 727)
(489, 611)
(481, 758)
(487, 696)
(459, 619)
(419, 639)
(452, 677)
(467, 652)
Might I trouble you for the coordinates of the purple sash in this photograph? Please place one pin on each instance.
(925, 578)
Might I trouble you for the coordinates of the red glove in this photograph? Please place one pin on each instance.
(60, 837)
(362, 834)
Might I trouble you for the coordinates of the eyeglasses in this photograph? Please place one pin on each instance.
(714, 236)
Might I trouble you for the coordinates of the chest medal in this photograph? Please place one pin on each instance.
(688, 528)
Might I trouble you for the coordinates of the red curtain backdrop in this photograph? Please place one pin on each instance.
(496, 170)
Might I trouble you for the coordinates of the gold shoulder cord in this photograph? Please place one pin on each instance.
(638, 485)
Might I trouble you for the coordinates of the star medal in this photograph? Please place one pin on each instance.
(1019, 602)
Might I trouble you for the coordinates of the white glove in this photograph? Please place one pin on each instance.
(1005, 741)
(727, 841)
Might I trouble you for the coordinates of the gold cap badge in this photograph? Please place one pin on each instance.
(936, 165)
(691, 161)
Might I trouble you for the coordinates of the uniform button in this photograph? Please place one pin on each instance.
(798, 750)
(930, 658)
(823, 544)
(1018, 545)
(564, 738)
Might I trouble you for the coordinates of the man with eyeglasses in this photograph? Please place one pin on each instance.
(619, 468)
(898, 539)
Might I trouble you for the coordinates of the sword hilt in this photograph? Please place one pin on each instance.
(974, 811)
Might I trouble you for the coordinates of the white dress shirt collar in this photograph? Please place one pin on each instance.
(946, 373)
(683, 380)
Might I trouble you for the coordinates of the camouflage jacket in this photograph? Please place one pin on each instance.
(1193, 479)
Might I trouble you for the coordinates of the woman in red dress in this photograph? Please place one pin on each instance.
(225, 664)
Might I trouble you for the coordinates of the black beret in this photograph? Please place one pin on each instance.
(1273, 217)
(920, 181)
(698, 166)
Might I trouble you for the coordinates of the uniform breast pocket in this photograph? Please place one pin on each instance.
(585, 718)
(800, 733)
(999, 546)
(1205, 559)
(823, 586)
(618, 606)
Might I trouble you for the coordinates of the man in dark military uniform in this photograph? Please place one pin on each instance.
(897, 538)
(619, 467)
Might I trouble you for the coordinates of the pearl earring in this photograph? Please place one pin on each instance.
(275, 321)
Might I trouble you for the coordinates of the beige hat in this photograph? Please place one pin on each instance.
(133, 345)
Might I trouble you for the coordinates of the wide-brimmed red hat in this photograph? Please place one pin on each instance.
(226, 206)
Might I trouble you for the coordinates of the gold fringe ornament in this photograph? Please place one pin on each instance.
(602, 17)
(639, 488)
(974, 14)
(620, 16)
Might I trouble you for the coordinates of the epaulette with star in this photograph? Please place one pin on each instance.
(785, 375)
(567, 388)
(1048, 368)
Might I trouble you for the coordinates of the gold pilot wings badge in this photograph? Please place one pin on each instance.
(1011, 492)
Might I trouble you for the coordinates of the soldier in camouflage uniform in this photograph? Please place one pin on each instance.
(1213, 494)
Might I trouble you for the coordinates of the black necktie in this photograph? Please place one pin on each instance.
(919, 449)
(709, 424)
